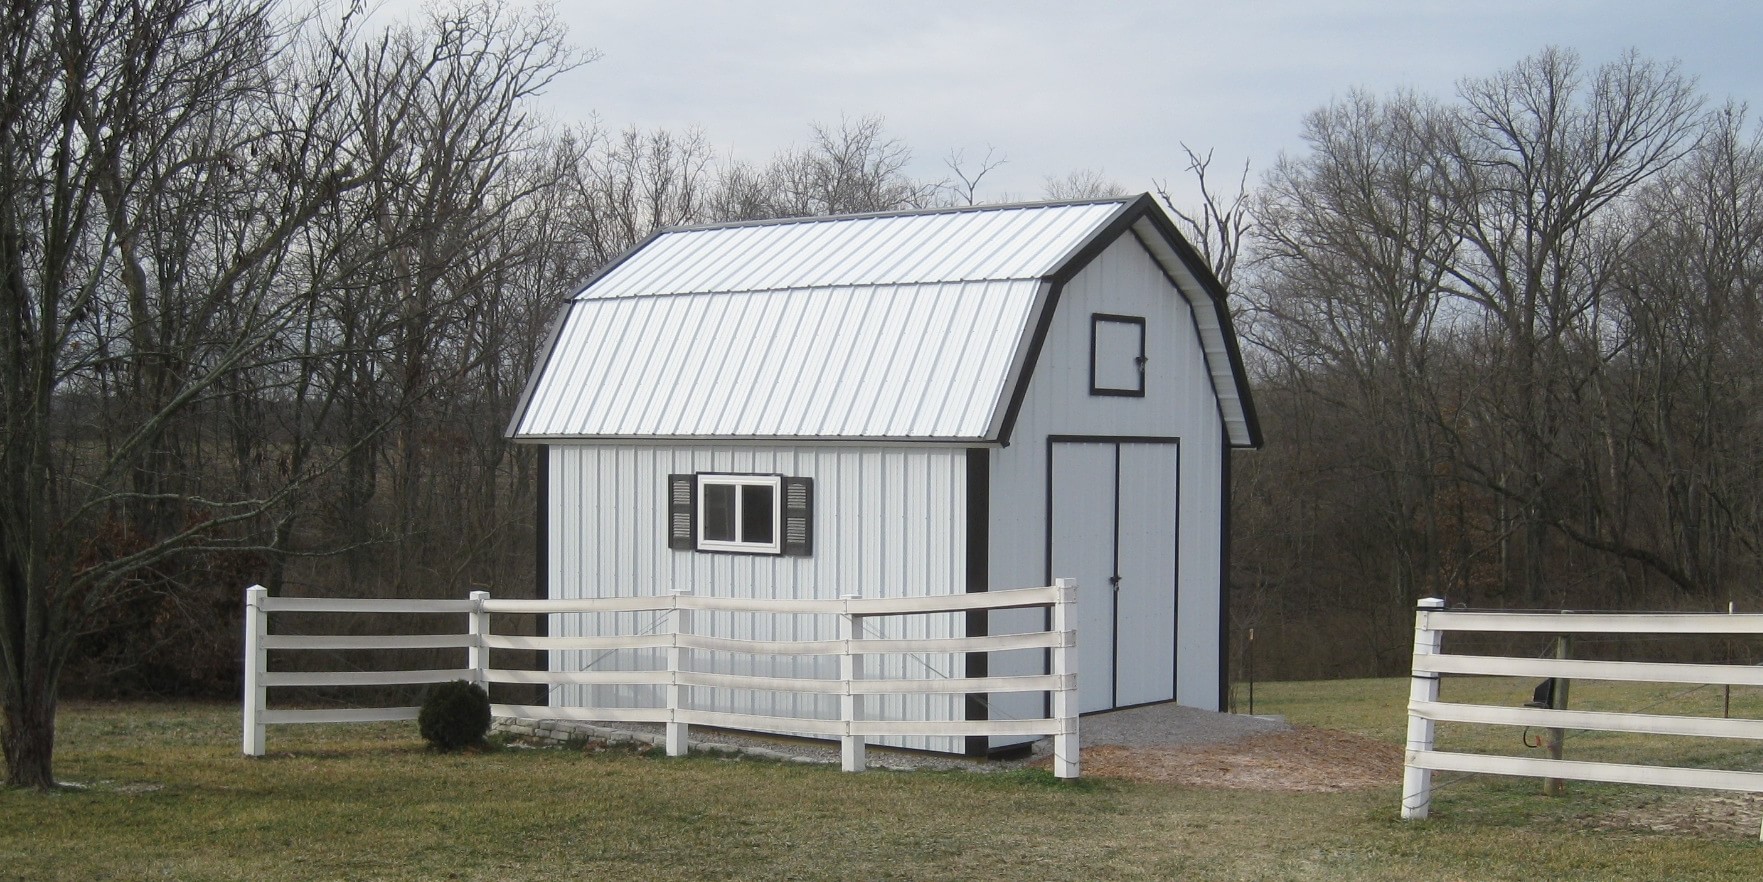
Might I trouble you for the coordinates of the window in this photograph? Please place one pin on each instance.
(737, 513)
(743, 514)
(1117, 355)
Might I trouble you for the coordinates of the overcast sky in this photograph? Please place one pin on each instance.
(1111, 86)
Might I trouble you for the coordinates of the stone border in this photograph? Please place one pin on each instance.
(557, 732)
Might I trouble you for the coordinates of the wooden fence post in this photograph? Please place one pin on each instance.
(1065, 742)
(256, 659)
(677, 731)
(1558, 701)
(853, 751)
(477, 655)
(1422, 687)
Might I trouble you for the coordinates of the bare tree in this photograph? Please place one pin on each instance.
(852, 169)
(122, 123)
(1221, 225)
(965, 187)
(1539, 158)
(1083, 183)
(633, 183)
(214, 221)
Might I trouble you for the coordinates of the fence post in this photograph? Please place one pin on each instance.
(1422, 687)
(853, 751)
(477, 625)
(256, 659)
(1558, 701)
(677, 730)
(1065, 741)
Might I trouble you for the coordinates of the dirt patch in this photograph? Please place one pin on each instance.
(1301, 760)
(1708, 815)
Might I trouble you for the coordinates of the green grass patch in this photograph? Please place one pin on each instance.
(165, 794)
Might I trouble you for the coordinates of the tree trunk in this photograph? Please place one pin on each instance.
(29, 734)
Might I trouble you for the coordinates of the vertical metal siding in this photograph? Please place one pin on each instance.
(1180, 402)
(887, 524)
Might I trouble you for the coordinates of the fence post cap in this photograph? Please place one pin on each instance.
(479, 595)
(1432, 603)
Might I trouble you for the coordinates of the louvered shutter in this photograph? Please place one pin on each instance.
(798, 516)
(682, 508)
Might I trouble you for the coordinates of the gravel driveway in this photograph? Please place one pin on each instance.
(1148, 726)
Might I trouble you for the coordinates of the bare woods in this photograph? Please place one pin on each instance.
(273, 277)
(1507, 344)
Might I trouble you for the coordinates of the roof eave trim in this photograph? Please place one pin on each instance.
(532, 381)
(945, 441)
(1197, 266)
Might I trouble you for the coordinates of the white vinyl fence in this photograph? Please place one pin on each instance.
(1425, 709)
(853, 726)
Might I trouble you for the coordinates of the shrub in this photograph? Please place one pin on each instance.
(455, 715)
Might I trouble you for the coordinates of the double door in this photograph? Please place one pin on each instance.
(1113, 525)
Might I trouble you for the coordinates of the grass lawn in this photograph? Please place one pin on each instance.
(167, 796)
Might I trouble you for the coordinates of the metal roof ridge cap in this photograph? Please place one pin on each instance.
(902, 212)
(829, 286)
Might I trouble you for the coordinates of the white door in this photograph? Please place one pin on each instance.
(1144, 664)
(1113, 528)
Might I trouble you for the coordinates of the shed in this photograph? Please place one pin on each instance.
(903, 404)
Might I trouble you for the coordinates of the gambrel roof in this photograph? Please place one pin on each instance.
(904, 326)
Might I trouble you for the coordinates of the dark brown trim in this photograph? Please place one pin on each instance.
(1117, 439)
(1043, 325)
(1114, 588)
(1223, 575)
(1128, 707)
(542, 529)
(539, 693)
(978, 571)
(1096, 320)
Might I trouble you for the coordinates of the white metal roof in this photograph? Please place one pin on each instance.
(906, 326)
(1013, 242)
(880, 361)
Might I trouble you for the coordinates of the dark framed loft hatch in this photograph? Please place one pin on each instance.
(1117, 355)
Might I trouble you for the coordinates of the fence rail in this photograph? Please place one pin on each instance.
(853, 726)
(1425, 710)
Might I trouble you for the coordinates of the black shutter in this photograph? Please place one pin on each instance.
(682, 510)
(798, 516)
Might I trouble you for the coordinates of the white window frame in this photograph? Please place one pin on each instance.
(775, 482)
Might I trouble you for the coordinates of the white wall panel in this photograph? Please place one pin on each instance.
(886, 524)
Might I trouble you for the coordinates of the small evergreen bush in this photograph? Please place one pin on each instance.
(455, 715)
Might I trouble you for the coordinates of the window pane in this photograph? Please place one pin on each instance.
(719, 512)
(756, 506)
